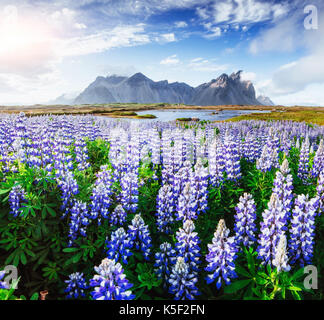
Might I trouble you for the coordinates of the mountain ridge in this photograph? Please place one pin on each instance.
(224, 90)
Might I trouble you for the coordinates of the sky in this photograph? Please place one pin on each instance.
(50, 48)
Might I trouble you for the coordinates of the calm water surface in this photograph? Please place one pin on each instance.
(173, 114)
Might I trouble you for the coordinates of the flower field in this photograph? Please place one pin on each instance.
(96, 208)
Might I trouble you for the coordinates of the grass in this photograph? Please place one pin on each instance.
(314, 116)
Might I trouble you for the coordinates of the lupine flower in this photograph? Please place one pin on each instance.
(164, 260)
(187, 204)
(199, 184)
(101, 194)
(320, 192)
(69, 188)
(216, 164)
(221, 256)
(245, 217)
(118, 247)
(129, 195)
(139, 235)
(182, 282)
(303, 168)
(232, 158)
(283, 186)
(280, 260)
(81, 154)
(75, 286)
(110, 282)
(118, 216)
(165, 208)
(187, 245)
(302, 228)
(3, 284)
(272, 227)
(318, 163)
(17, 200)
(79, 221)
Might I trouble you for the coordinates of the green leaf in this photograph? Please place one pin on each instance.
(237, 285)
(242, 271)
(70, 249)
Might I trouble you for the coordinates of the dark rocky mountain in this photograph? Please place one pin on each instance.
(140, 89)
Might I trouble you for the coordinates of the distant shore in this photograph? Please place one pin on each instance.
(128, 110)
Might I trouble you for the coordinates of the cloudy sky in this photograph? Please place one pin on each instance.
(48, 48)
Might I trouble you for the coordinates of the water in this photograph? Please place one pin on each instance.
(173, 114)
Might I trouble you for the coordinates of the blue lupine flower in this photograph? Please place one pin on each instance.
(302, 230)
(110, 282)
(283, 187)
(221, 256)
(187, 245)
(182, 282)
(101, 194)
(187, 204)
(245, 217)
(76, 286)
(118, 247)
(216, 164)
(79, 221)
(303, 168)
(17, 200)
(3, 284)
(165, 208)
(164, 260)
(232, 158)
(318, 163)
(118, 216)
(273, 225)
(320, 192)
(140, 236)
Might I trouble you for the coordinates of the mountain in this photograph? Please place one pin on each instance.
(64, 99)
(266, 101)
(139, 89)
(225, 90)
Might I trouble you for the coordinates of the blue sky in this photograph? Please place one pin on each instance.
(53, 47)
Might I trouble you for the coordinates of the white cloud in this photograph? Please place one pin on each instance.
(213, 32)
(168, 37)
(171, 61)
(205, 65)
(181, 24)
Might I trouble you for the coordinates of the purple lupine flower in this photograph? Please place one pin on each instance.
(182, 282)
(129, 194)
(216, 164)
(110, 282)
(140, 236)
(3, 284)
(232, 158)
(79, 221)
(17, 200)
(118, 216)
(81, 154)
(270, 154)
(245, 218)
(199, 184)
(182, 177)
(318, 163)
(76, 285)
(187, 245)
(165, 208)
(302, 229)
(283, 187)
(119, 246)
(102, 194)
(303, 167)
(320, 192)
(69, 188)
(164, 260)
(187, 204)
(273, 225)
(221, 256)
